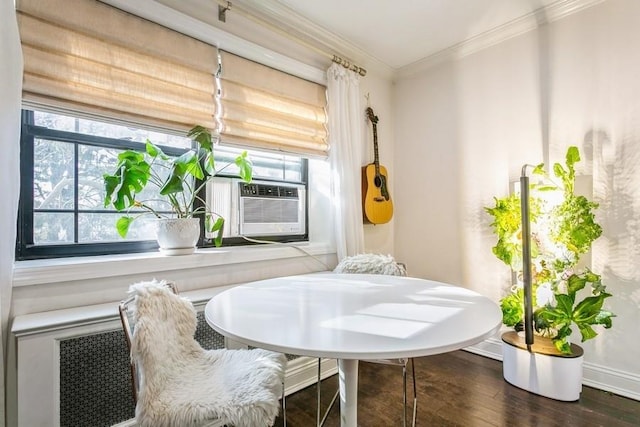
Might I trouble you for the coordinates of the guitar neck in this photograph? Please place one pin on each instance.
(376, 160)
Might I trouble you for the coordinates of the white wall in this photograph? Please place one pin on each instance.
(379, 238)
(464, 128)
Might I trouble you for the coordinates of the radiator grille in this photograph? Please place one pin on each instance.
(95, 381)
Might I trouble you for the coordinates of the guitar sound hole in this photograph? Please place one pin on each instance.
(377, 181)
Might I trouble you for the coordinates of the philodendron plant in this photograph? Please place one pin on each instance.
(178, 179)
(560, 233)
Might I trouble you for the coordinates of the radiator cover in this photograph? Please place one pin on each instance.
(95, 380)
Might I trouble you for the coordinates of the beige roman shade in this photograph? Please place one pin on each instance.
(265, 108)
(86, 57)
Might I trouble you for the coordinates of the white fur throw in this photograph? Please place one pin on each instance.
(181, 384)
(371, 263)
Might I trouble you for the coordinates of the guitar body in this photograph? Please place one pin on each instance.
(376, 202)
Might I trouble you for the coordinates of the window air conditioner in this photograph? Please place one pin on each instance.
(260, 208)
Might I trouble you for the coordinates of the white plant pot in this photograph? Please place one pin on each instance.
(555, 375)
(178, 236)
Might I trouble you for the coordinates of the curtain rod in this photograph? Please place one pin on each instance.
(224, 6)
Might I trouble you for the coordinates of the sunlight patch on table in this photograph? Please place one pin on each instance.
(376, 325)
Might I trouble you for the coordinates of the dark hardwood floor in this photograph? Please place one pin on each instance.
(461, 389)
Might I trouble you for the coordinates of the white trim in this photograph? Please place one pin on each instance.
(491, 348)
(619, 382)
(171, 18)
(497, 35)
(276, 13)
(625, 384)
(36, 272)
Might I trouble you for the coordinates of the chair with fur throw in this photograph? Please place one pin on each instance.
(374, 264)
(179, 383)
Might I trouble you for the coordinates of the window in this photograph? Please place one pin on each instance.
(63, 159)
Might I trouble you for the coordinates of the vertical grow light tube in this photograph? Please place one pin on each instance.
(526, 257)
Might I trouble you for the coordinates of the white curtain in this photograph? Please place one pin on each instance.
(346, 121)
(10, 99)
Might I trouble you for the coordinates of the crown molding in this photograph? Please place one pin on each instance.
(514, 28)
(276, 13)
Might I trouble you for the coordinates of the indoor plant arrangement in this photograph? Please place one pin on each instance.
(561, 232)
(180, 181)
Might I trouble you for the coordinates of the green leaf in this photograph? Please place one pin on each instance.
(202, 136)
(587, 332)
(512, 308)
(564, 304)
(110, 185)
(245, 167)
(562, 345)
(604, 318)
(589, 308)
(188, 163)
(218, 226)
(575, 283)
(210, 164)
(173, 184)
(573, 156)
(155, 151)
(559, 171)
(122, 225)
(131, 176)
(539, 169)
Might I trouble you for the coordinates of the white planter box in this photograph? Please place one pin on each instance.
(542, 371)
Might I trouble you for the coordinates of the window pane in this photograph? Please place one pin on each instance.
(53, 178)
(49, 228)
(109, 130)
(265, 165)
(93, 162)
(97, 227)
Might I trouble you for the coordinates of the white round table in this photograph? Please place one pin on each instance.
(353, 317)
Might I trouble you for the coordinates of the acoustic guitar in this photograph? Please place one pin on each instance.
(377, 204)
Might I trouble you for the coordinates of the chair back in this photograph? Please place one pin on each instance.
(371, 264)
(127, 309)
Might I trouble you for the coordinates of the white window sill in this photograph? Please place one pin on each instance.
(35, 272)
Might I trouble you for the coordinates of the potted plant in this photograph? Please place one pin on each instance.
(179, 181)
(561, 229)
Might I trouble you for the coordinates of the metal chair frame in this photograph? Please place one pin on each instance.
(395, 362)
(125, 310)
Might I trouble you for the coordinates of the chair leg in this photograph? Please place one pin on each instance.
(284, 407)
(318, 388)
(415, 393)
(404, 395)
(321, 420)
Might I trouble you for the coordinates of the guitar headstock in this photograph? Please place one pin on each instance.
(371, 116)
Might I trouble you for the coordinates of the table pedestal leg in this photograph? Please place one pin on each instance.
(348, 376)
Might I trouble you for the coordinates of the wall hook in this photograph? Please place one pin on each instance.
(222, 12)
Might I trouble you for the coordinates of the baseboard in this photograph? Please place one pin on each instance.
(615, 381)
(622, 383)
(303, 371)
(491, 348)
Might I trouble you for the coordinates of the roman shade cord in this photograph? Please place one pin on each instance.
(224, 6)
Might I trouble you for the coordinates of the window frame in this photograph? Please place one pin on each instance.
(26, 249)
